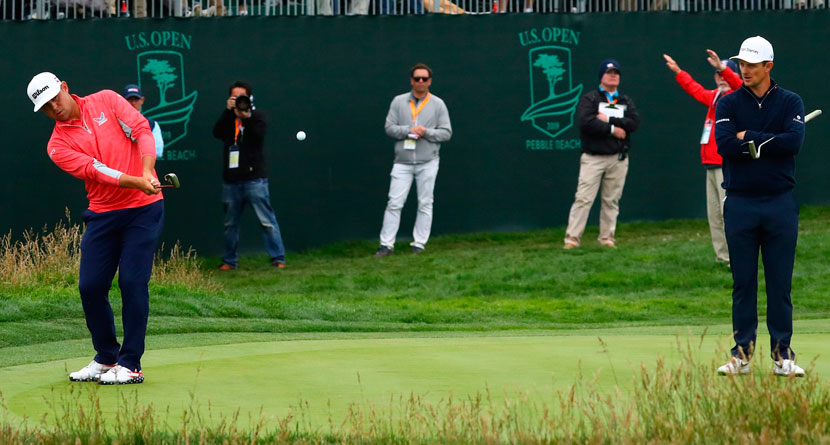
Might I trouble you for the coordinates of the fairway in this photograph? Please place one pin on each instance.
(273, 378)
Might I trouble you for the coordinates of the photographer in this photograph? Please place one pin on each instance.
(242, 130)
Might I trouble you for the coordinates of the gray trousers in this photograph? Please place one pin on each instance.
(401, 181)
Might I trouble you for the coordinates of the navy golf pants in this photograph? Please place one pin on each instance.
(768, 223)
(123, 240)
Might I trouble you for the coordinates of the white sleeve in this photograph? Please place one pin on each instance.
(159, 140)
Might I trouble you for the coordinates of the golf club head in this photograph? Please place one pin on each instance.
(172, 181)
(812, 115)
(752, 150)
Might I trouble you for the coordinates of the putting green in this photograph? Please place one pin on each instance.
(273, 378)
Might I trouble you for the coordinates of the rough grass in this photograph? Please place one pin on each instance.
(662, 273)
(47, 262)
(682, 403)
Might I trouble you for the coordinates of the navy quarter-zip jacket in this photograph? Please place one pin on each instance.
(778, 118)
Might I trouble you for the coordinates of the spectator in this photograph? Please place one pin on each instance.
(760, 211)
(135, 97)
(515, 6)
(726, 81)
(123, 222)
(359, 7)
(606, 121)
(419, 122)
(242, 130)
(319, 7)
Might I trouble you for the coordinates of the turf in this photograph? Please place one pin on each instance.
(662, 274)
(510, 314)
(320, 378)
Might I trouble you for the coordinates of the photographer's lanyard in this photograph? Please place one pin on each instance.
(238, 125)
(233, 151)
(417, 111)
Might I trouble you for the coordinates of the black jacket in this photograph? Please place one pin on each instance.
(596, 134)
(778, 118)
(251, 140)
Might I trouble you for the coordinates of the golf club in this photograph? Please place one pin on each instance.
(756, 152)
(172, 181)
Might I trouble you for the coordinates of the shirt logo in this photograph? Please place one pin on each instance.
(100, 120)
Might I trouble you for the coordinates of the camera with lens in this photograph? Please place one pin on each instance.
(243, 103)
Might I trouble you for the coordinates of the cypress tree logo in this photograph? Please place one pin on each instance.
(163, 72)
(161, 76)
(553, 98)
(553, 95)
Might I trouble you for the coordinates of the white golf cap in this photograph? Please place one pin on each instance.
(755, 50)
(43, 88)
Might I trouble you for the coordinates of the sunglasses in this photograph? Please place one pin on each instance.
(420, 79)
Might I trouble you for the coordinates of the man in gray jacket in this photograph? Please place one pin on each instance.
(419, 122)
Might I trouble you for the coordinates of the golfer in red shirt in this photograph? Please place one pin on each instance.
(102, 140)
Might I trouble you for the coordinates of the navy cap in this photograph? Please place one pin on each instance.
(608, 64)
(132, 91)
(732, 65)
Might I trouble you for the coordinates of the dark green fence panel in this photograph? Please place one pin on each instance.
(333, 77)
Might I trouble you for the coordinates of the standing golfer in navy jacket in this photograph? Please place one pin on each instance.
(760, 210)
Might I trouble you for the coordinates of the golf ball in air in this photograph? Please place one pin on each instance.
(301, 135)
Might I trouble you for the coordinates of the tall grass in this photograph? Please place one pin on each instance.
(181, 268)
(52, 258)
(682, 403)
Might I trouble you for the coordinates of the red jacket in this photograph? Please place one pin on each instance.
(708, 149)
(96, 149)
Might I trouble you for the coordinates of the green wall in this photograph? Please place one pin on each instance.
(334, 77)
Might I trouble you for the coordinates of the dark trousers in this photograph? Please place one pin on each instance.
(234, 198)
(768, 223)
(123, 240)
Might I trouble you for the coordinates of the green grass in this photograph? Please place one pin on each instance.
(490, 338)
(662, 274)
(620, 389)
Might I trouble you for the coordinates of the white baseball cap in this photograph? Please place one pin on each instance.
(755, 50)
(43, 88)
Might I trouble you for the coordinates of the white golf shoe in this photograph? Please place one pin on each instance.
(119, 375)
(735, 366)
(90, 372)
(787, 367)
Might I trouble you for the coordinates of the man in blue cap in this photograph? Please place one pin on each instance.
(606, 120)
(135, 97)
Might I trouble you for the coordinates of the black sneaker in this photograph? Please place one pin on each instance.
(416, 250)
(384, 251)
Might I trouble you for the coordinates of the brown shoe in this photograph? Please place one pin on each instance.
(570, 245)
(608, 243)
(226, 267)
(278, 265)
